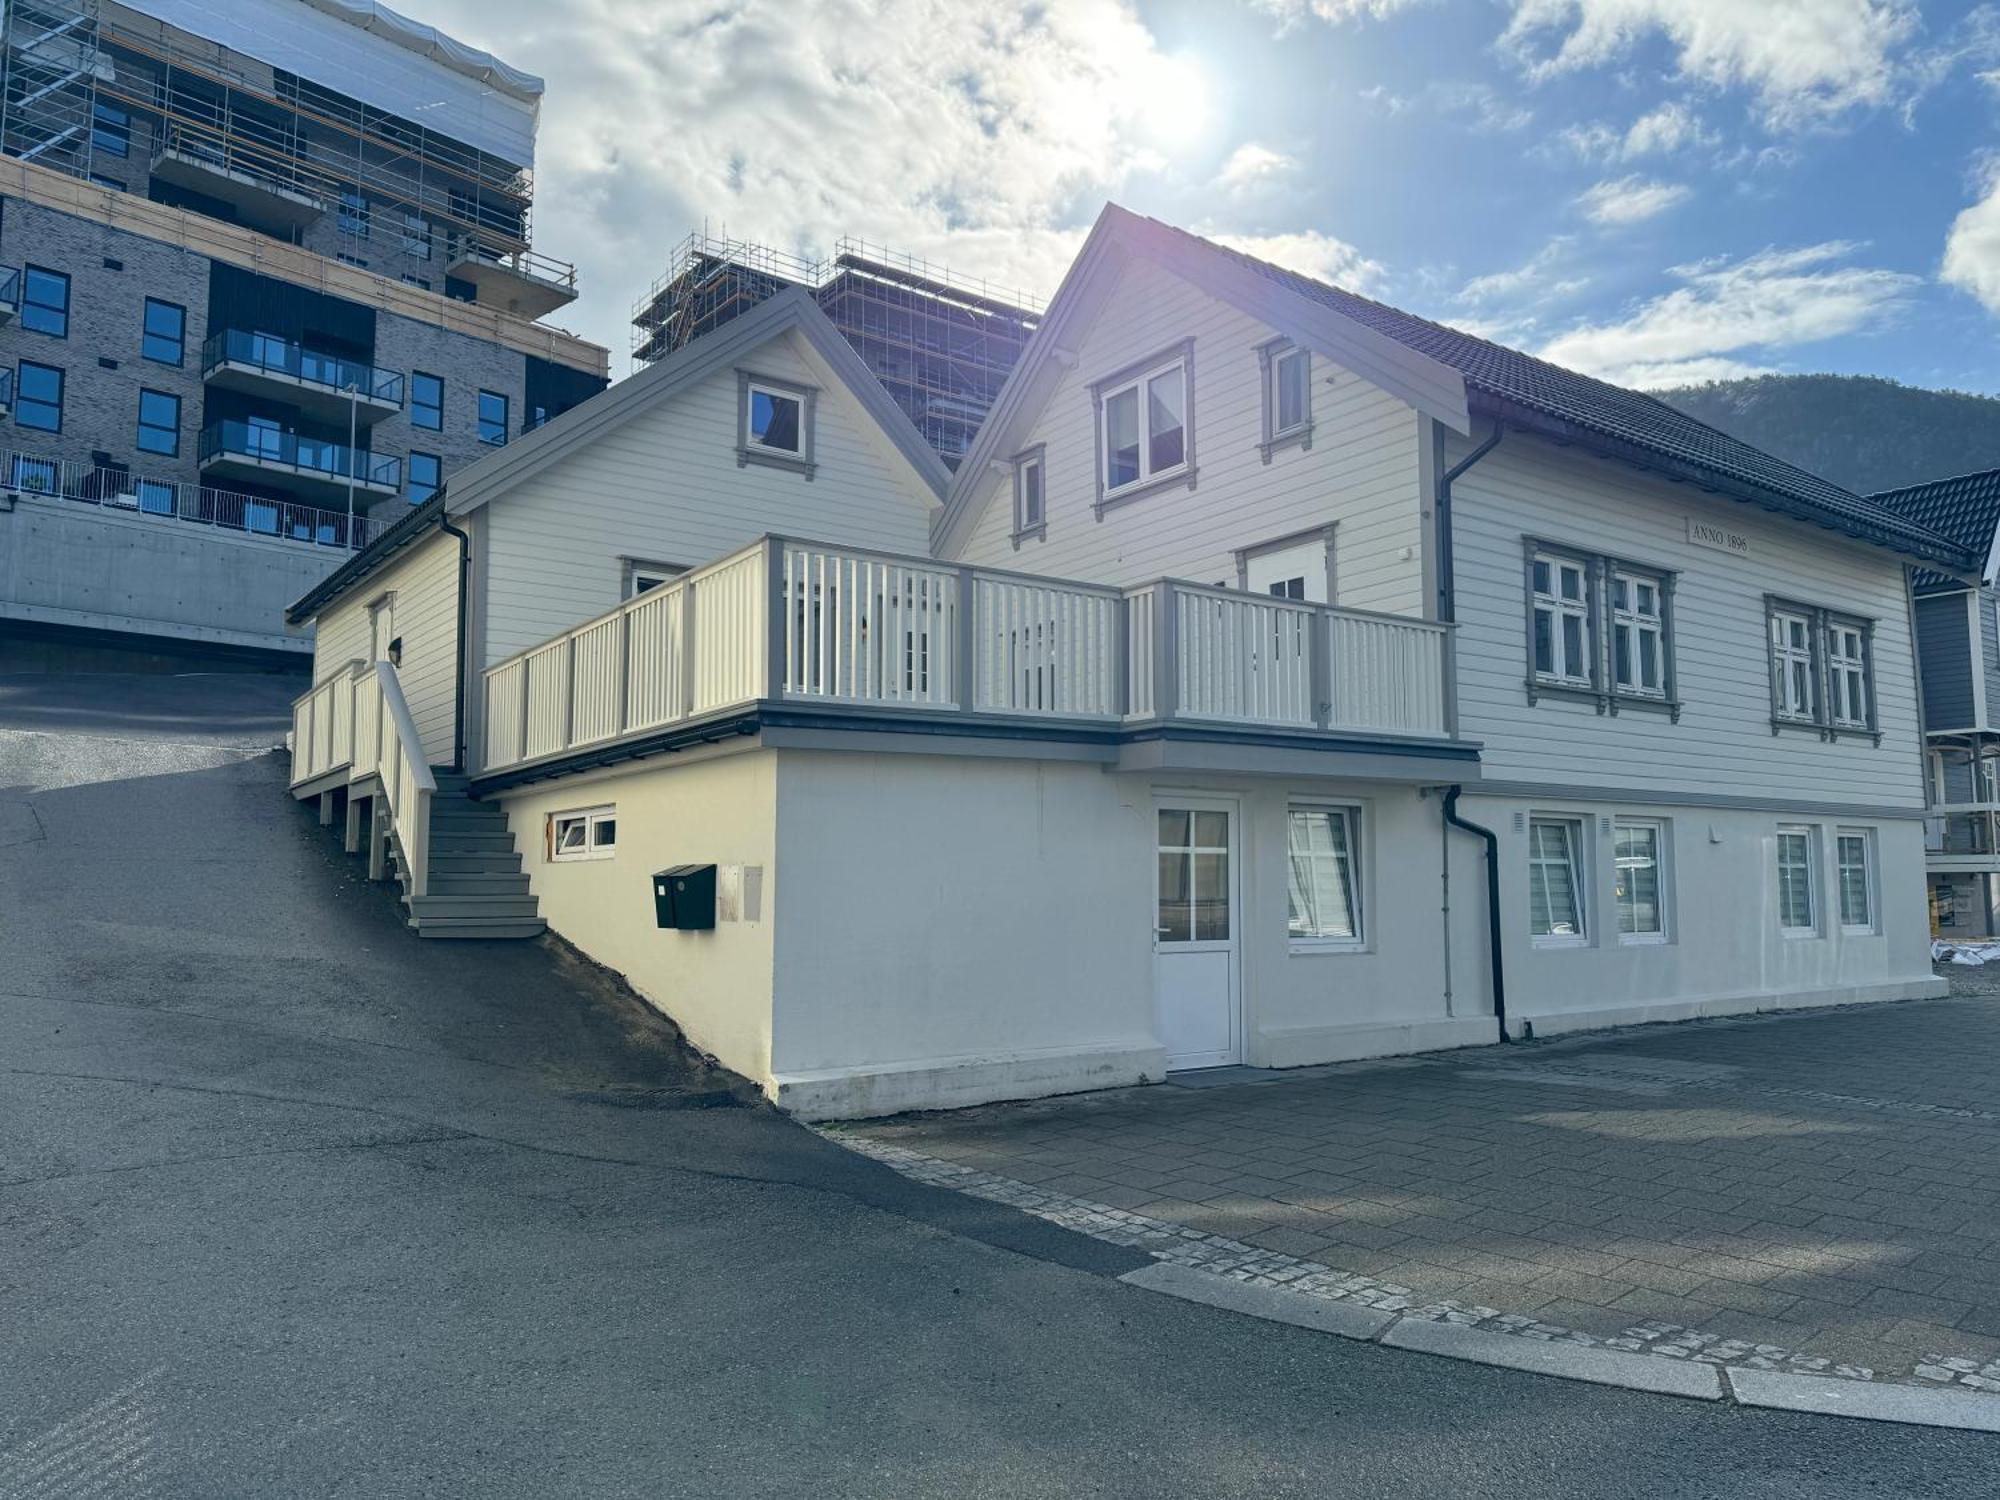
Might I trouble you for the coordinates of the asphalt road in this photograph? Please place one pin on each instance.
(294, 1204)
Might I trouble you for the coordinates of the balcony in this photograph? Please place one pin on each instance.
(265, 187)
(10, 294)
(1962, 837)
(6, 389)
(322, 386)
(815, 639)
(322, 473)
(518, 281)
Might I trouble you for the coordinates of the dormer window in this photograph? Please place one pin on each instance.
(1145, 426)
(774, 422)
(1031, 498)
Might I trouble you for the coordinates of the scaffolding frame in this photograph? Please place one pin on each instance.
(941, 344)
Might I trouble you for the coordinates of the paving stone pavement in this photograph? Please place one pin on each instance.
(1814, 1191)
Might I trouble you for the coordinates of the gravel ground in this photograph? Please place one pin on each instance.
(1967, 980)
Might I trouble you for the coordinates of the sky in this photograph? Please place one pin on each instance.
(1651, 191)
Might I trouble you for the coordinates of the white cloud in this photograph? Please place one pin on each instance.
(1310, 253)
(1972, 249)
(1671, 127)
(1334, 12)
(1807, 61)
(1537, 280)
(1629, 200)
(1481, 108)
(1726, 314)
(1253, 165)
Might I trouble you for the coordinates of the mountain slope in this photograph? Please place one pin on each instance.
(1865, 433)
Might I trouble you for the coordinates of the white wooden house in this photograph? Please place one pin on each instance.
(1285, 679)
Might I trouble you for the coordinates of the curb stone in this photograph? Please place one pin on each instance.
(1634, 1372)
(1271, 1303)
(1965, 1410)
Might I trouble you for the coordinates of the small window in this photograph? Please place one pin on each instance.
(1855, 854)
(775, 419)
(1638, 635)
(1031, 501)
(1638, 881)
(350, 260)
(1797, 903)
(110, 130)
(1287, 396)
(426, 474)
(591, 833)
(416, 236)
(1144, 428)
(1563, 639)
(45, 302)
(38, 397)
(1792, 661)
(426, 401)
(417, 281)
(159, 423)
(1555, 880)
(1322, 857)
(354, 214)
(492, 418)
(163, 337)
(643, 577)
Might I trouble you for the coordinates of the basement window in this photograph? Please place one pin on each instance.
(589, 833)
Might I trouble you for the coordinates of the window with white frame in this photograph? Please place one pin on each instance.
(587, 833)
(1846, 675)
(1638, 634)
(1323, 865)
(1563, 644)
(1854, 859)
(1031, 497)
(1797, 899)
(1822, 670)
(774, 422)
(642, 577)
(1555, 880)
(1144, 426)
(1287, 371)
(1639, 859)
(1792, 661)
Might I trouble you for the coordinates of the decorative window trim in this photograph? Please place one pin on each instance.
(807, 396)
(1270, 354)
(1602, 691)
(1351, 814)
(1137, 374)
(632, 569)
(1810, 834)
(1663, 866)
(1579, 869)
(1820, 622)
(1025, 529)
(590, 820)
(1285, 543)
(1873, 924)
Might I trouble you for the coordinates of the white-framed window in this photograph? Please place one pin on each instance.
(1563, 644)
(1031, 495)
(1638, 634)
(775, 420)
(1145, 423)
(1323, 863)
(1792, 661)
(1854, 862)
(1287, 378)
(1847, 674)
(1639, 879)
(1556, 913)
(587, 833)
(1798, 898)
(1822, 670)
(642, 576)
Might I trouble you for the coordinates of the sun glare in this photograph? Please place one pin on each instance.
(1172, 101)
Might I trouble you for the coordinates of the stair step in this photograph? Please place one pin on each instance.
(453, 815)
(471, 841)
(482, 883)
(521, 907)
(452, 927)
(474, 862)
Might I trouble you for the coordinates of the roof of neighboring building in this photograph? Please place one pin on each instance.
(377, 554)
(428, 41)
(1964, 507)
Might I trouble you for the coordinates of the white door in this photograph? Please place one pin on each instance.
(1295, 572)
(1194, 938)
(381, 628)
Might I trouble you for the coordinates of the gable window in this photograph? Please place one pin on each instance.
(426, 401)
(159, 423)
(1600, 628)
(1287, 377)
(38, 397)
(1145, 435)
(1797, 899)
(774, 422)
(1854, 854)
(1638, 849)
(1031, 499)
(163, 332)
(1555, 881)
(1322, 856)
(426, 474)
(1822, 670)
(492, 418)
(589, 833)
(1563, 644)
(45, 302)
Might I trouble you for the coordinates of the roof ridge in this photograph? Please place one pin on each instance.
(1924, 484)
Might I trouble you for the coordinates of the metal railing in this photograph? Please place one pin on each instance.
(357, 720)
(1962, 829)
(234, 439)
(169, 499)
(531, 264)
(10, 288)
(802, 622)
(275, 356)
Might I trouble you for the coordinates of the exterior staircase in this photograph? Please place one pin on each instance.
(476, 888)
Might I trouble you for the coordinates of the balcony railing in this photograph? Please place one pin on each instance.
(288, 450)
(357, 721)
(1963, 829)
(171, 500)
(804, 623)
(10, 291)
(295, 362)
(531, 264)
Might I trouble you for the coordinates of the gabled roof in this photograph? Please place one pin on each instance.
(1504, 384)
(1965, 508)
(792, 310)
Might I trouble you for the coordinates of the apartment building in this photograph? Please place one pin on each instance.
(267, 279)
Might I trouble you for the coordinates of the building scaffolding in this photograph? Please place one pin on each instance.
(942, 345)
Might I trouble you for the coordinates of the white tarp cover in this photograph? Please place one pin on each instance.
(370, 52)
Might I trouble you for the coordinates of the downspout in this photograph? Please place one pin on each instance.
(1493, 928)
(1447, 586)
(464, 646)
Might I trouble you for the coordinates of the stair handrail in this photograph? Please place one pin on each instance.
(406, 777)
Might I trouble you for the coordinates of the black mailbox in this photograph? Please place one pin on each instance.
(684, 897)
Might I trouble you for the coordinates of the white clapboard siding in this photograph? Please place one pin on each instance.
(425, 582)
(1361, 471)
(1723, 744)
(665, 487)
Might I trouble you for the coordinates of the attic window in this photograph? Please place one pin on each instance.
(774, 423)
(1145, 426)
(1287, 372)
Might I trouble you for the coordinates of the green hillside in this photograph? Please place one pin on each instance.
(1858, 431)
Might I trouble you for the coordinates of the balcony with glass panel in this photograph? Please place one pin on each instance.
(10, 293)
(320, 385)
(319, 472)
